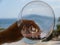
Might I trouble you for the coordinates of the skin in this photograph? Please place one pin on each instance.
(11, 34)
(15, 32)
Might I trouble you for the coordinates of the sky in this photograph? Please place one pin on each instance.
(12, 8)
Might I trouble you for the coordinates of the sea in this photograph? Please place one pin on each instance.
(5, 23)
(43, 22)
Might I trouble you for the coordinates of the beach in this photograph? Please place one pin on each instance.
(38, 43)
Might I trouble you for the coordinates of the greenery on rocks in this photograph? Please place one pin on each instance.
(58, 27)
(1, 28)
(55, 33)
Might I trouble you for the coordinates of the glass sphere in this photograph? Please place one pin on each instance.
(41, 14)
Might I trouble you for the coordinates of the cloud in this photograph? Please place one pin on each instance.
(53, 3)
(51, 0)
(55, 6)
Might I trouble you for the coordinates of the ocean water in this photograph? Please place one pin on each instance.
(43, 22)
(5, 23)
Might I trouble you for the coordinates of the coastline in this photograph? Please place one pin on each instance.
(38, 43)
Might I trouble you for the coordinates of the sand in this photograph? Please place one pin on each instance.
(39, 43)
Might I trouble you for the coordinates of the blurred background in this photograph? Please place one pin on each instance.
(10, 9)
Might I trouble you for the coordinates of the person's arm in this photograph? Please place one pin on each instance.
(11, 34)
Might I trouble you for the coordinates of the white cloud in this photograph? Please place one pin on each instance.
(51, 0)
(55, 6)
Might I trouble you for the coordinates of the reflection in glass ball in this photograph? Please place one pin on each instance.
(38, 18)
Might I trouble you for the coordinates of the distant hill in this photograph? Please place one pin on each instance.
(44, 22)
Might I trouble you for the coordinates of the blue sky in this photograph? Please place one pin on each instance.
(11, 8)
